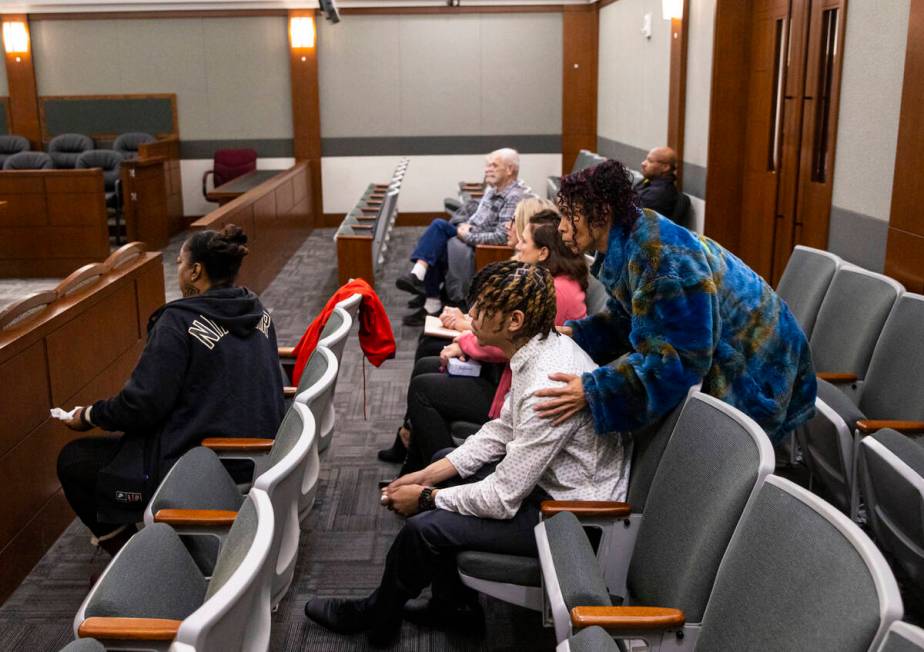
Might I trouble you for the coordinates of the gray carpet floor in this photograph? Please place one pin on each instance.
(347, 535)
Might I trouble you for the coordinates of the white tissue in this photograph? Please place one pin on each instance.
(61, 415)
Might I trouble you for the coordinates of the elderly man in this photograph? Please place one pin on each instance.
(486, 494)
(486, 225)
(656, 190)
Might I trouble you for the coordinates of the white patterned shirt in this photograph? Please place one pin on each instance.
(569, 461)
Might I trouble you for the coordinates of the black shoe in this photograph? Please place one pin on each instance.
(340, 615)
(417, 318)
(410, 283)
(444, 615)
(396, 453)
(417, 302)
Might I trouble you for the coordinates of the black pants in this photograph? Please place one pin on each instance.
(427, 346)
(424, 551)
(79, 463)
(435, 400)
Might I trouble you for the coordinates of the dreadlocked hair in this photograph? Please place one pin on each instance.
(509, 285)
(601, 192)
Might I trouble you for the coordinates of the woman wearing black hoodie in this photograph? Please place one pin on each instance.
(210, 368)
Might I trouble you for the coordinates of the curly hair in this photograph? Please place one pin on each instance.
(509, 285)
(220, 252)
(561, 261)
(599, 193)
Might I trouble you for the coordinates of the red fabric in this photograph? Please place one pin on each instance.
(229, 164)
(375, 335)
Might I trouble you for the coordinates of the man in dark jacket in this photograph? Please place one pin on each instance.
(657, 189)
(210, 368)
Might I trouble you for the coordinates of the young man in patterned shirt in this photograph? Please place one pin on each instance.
(502, 473)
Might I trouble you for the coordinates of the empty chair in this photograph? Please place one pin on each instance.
(716, 460)
(891, 476)
(28, 161)
(83, 645)
(889, 392)
(110, 162)
(228, 164)
(65, 148)
(199, 486)
(351, 305)
(154, 582)
(127, 144)
(805, 281)
(11, 144)
(902, 637)
(333, 337)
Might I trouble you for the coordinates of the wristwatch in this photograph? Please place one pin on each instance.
(426, 502)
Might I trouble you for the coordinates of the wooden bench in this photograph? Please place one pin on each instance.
(63, 347)
(276, 216)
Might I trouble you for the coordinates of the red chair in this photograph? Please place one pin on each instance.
(229, 164)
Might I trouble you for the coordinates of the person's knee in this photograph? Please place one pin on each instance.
(425, 526)
(67, 460)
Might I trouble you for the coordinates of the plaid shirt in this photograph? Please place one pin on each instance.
(495, 210)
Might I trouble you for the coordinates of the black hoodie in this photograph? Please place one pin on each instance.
(210, 369)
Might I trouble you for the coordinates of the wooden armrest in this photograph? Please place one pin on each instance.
(837, 378)
(134, 629)
(631, 618)
(238, 444)
(223, 517)
(586, 508)
(286, 351)
(289, 392)
(866, 426)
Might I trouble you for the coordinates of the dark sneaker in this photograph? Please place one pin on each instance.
(417, 302)
(443, 615)
(340, 615)
(410, 283)
(396, 453)
(417, 317)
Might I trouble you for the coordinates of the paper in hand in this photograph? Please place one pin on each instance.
(61, 415)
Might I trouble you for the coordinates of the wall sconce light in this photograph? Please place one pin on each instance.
(15, 37)
(302, 33)
(672, 9)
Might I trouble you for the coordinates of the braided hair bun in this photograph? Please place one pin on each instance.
(220, 252)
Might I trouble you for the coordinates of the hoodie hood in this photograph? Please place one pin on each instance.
(237, 309)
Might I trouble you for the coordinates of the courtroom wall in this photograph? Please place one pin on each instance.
(4, 87)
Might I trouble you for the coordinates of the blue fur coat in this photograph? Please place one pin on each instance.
(683, 310)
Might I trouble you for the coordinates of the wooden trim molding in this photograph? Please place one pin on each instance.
(20, 74)
(306, 112)
(146, 15)
(677, 94)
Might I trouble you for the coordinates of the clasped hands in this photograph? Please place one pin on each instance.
(403, 495)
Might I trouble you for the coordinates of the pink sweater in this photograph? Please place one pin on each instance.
(569, 302)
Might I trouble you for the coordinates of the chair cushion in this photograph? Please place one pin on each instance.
(198, 480)
(576, 566)
(12, 144)
(127, 144)
(83, 645)
(840, 403)
(152, 577)
(495, 567)
(592, 639)
(229, 164)
(905, 448)
(66, 148)
(29, 161)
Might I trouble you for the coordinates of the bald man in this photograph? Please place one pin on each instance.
(657, 189)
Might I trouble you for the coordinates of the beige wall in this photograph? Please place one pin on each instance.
(4, 88)
(699, 81)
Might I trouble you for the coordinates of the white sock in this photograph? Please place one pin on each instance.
(433, 304)
(420, 270)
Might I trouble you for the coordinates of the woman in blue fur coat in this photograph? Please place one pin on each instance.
(682, 310)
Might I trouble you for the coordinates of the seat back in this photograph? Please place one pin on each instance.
(65, 148)
(28, 161)
(897, 358)
(107, 159)
(335, 332)
(228, 164)
(683, 211)
(891, 477)
(127, 144)
(715, 460)
(236, 612)
(850, 319)
(295, 442)
(12, 144)
(316, 390)
(902, 637)
(799, 575)
(351, 305)
(584, 160)
(805, 281)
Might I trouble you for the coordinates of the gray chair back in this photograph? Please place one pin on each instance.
(28, 161)
(65, 148)
(286, 436)
(596, 296)
(805, 282)
(11, 144)
(584, 160)
(648, 447)
(127, 144)
(715, 460)
(335, 332)
(799, 575)
(891, 477)
(236, 545)
(83, 645)
(850, 319)
(107, 159)
(902, 637)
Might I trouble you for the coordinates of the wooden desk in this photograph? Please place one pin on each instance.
(236, 187)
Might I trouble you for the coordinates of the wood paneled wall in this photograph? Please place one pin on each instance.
(677, 93)
(277, 216)
(168, 149)
(905, 247)
(144, 202)
(579, 87)
(79, 349)
(55, 221)
(20, 75)
(306, 111)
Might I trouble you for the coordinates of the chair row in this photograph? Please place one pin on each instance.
(64, 150)
(223, 553)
